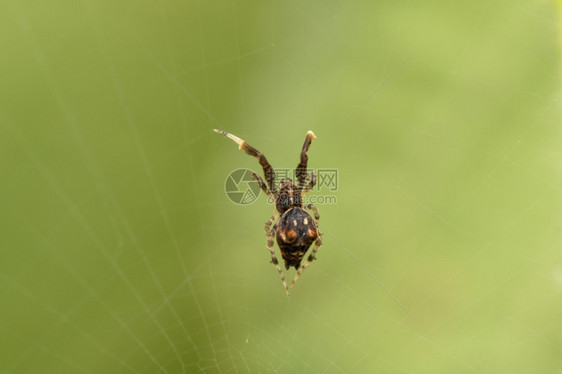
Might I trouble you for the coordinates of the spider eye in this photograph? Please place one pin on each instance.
(290, 235)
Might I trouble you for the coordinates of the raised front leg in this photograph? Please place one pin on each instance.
(303, 164)
(267, 169)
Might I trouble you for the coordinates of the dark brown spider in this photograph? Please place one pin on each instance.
(295, 230)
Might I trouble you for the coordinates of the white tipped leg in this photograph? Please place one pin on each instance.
(234, 138)
(248, 149)
(301, 167)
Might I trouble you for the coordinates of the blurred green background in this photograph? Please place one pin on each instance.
(120, 251)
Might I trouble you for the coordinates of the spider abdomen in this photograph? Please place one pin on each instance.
(296, 231)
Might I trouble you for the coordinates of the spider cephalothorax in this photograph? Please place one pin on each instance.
(295, 230)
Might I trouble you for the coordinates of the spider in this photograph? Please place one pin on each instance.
(294, 228)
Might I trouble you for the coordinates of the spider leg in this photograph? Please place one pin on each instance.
(314, 210)
(310, 258)
(261, 183)
(274, 261)
(301, 167)
(311, 183)
(267, 169)
(270, 222)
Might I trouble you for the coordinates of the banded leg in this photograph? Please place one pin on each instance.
(267, 169)
(261, 183)
(310, 258)
(314, 210)
(301, 167)
(269, 223)
(270, 237)
(311, 183)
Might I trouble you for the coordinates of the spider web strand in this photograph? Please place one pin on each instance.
(367, 272)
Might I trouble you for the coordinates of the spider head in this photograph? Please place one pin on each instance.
(288, 196)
